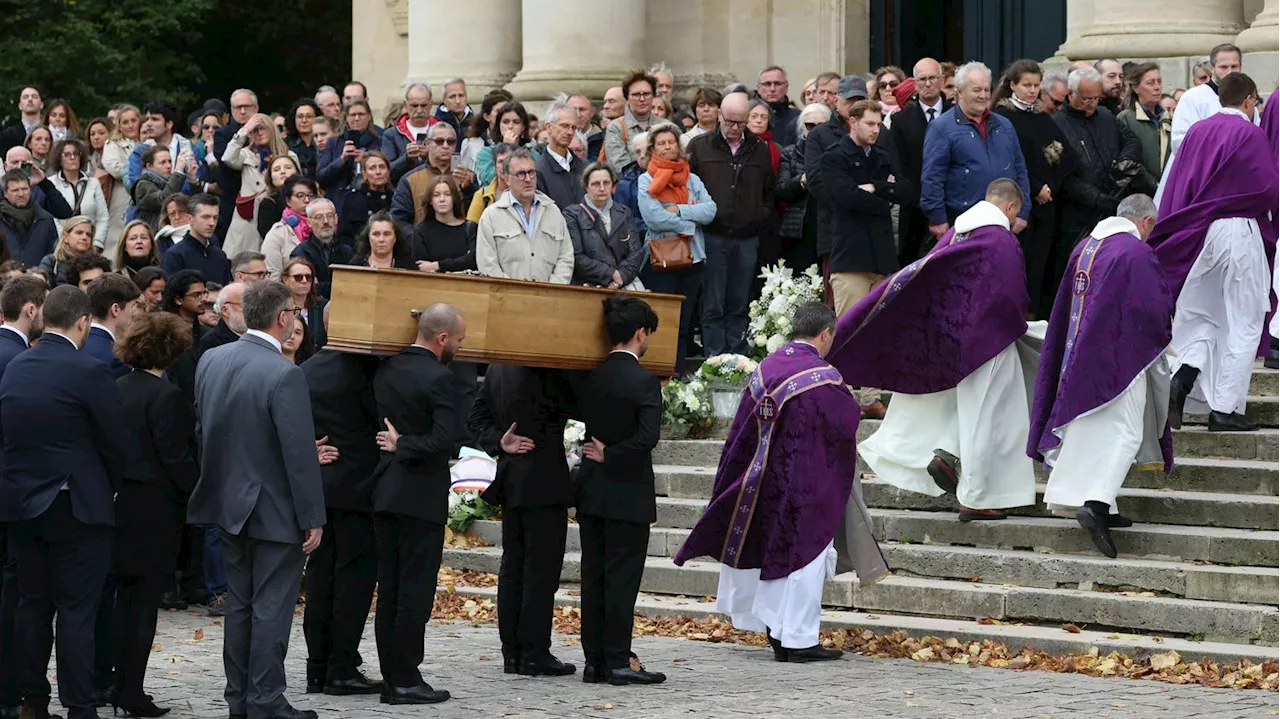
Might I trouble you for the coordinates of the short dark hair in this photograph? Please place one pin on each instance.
(1218, 50)
(176, 287)
(110, 289)
(76, 264)
(862, 107)
(810, 319)
(64, 306)
(13, 176)
(598, 167)
(149, 157)
(624, 315)
(19, 291)
(154, 340)
(201, 198)
(1235, 88)
(145, 276)
(242, 259)
(638, 74)
(263, 302)
(707, 96)
(164, 108)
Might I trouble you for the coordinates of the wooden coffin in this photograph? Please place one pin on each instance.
(535, 324)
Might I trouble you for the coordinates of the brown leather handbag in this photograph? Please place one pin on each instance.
(671, 253)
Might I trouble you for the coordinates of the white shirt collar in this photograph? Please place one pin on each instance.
(59, 334)
(104, 328)
(935, 106)
(1234, 111)
(263, 335)
(1114, 225)
(564, 162)
(25, 340)
(629, 352)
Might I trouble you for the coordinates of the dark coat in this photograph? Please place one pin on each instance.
(308, 155)
(453, 247)
(419, 397)
(907, 132)
(627, 192)
(539, 403)
(228, 178)
(1089, 191)
(149, 193)
(359, 204)
(622, 407)
(785, 117)
(561, 185)
(47, 196)
(100, 346)
(192, 254)
(861, 226)
(596, 253)
(321, 257)
(1037, 134)
(821, 139)
(336, 174)
(220, 335)
(797, 217)
(344, 410)
(741, 185)
(61, 423)
(30, 245)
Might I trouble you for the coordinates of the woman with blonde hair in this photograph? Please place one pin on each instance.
(115, 160)
(886, 80)
(136, 249)
(251, 152)
(76, 238)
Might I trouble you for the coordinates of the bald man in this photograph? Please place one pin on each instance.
(907, 134)
(737, 170)
(614, 103)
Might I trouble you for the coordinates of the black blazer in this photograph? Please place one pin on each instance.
(344, 410)
(163, 426)
(907, 131)
(101, 346)
(11, 345)
(61, 422)
(622, 407)
(418, 395)
(539, 402)
(220, 335)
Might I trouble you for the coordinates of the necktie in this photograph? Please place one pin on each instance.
(932, 111)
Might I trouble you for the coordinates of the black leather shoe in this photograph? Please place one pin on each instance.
(815, 653)
(1273, 357)
(358, 684)
(510, 666)
(1234, 422)
(421, 694)
(145, 708)
(945, 473)
(1119, 521)
(37, 709)
(315, 686)
(290, 713)
(1099, 530)
(1177, 401)
(594, 674)
(548, 667)
(172, 600)
(622, 677)
(779, 652)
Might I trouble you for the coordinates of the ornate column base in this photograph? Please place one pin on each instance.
(543, 85)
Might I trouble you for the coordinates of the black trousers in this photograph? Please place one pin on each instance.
(1037, 249)
(340, 578)
(409, 551)
(188, 582)
(532, 556)
(104, 648)
(62, 566)
(133, 631)
(613, 554)
(913, 234)
(9, 696)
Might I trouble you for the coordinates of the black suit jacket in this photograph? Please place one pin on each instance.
(102, 347)
(61, 423)
(11, 345)
(344, 410)
(220, 335)
(418, 395)
(163, 427)
(539, 402)
(622, 407)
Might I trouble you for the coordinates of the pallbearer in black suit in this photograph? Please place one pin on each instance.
(341, 574)
(151, 503)
(417, 406)
(622, 407)
(64, 440)
(520, 416)
(22, 305)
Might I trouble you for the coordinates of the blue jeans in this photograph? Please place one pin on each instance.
(726, 292)
(215, 576)
(687, 282)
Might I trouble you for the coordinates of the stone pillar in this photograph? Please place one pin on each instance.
(574, 45)
(1158, 28)
(1079, 18)
(1260, 43)
(478, 40)
(380, 50)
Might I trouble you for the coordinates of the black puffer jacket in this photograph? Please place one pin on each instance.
(1089, 192)
(791, 191)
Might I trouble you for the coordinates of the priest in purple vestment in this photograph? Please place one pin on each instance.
(1214, 239)
(1271, 126)
(948, 335)
(785, 492)
(1102, 391)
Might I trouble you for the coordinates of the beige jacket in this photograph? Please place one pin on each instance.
(504, 249)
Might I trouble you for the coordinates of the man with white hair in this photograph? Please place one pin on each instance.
(404, 143)
(968, 149)
(666, 79)
(771, 87)
(1053, 91)
(229, 306)
(1102, 389)
(330, 103)
(559, 170)
(455, 110)
(908, 132)
(322, 250)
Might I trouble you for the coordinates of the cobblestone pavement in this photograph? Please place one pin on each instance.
(704, 680)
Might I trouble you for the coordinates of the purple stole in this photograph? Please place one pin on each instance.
(1079, 286)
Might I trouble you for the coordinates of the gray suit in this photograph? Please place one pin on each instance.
(260, 483)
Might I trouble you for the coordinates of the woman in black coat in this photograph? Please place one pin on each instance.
(151, 504)
(1018, 98)
(608, 248)
(371, 197)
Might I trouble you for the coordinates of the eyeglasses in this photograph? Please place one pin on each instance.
(259, 274)
(303, 196)
(773, 83)
(928, 78)
(641, 95)
(243, 107)
(731, 123)
(524, 175)
(71, 153)
(810, 125)
(256, 130)
(441, 141)
(297, 311)
(301, 278)
(326, 217)
(194, 295)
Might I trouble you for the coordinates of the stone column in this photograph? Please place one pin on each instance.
(576, 46)
(1260, 43)
(1079, 18)
(1158, 28)
(477, 40)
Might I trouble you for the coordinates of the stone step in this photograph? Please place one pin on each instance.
(1220, 621)
(1050, 639)
(1148, 506)
(1264, 382)
(1263, 410)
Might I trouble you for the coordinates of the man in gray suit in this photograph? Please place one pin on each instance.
(260, 484)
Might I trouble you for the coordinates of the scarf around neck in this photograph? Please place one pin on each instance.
(301, 228)
(1018, 103)
(24, 216)
(670, 180)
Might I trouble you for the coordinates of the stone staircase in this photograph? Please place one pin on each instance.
(1198, 570)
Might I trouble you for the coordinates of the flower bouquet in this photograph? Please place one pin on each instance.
(575, 433)
(726, 377)
(686, 409)
(770, 314)
(469, 476)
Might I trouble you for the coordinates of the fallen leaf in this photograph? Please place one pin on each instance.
(604, 706)
(1071, 628)
(157, 647)
(1160, 662)
(198, 635)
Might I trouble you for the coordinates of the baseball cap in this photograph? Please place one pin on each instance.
(851, 87)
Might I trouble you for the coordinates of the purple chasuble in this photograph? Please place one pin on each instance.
(928, 326)
(1224, 168)
(788, 466)
(1271, 126)
(1111, 319)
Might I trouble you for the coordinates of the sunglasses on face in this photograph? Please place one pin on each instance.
(300, 278)
(441, 141)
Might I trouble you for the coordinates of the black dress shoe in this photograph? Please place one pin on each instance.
(421, 694)
(815, 653)
(944, 470)
(510, 666)
(1234, 422)
(315, 686)
(291, 713)
(548, 667)
(358, 684)
(1273, 358)
(622, 677)
(1099, 530)
(1119, 521)
(594, 674)
(172, 600)
(1177, 401)
(779, 652)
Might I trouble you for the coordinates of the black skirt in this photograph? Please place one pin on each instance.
(149, 517)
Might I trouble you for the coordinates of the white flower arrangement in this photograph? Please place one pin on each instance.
(575, 434)
(686, 408)
(770, 313)
(727, 369)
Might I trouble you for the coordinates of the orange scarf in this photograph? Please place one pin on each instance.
(670, 180)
